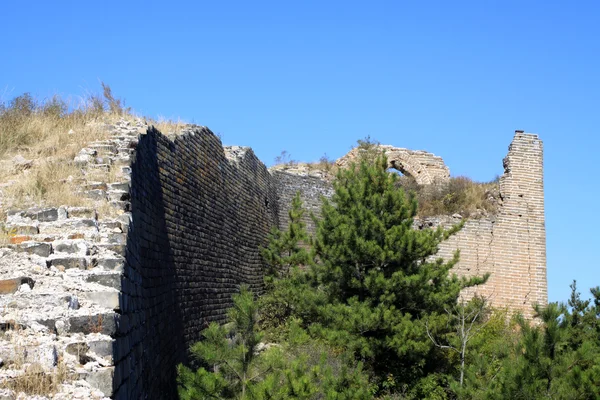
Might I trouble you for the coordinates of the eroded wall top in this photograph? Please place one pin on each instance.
(426, 168)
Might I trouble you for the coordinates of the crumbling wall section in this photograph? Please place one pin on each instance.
(426, 168)
(511, 246)
(199, 215)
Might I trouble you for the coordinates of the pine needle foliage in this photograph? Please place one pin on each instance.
(285, 250)
(557, 359)
(379, 276)
(228, 351)
(238, 367)
(286, 281)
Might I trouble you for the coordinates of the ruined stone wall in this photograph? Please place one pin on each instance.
(512, 245)
(198, 216)
(426, 168)
(311, 190)
(121, 299)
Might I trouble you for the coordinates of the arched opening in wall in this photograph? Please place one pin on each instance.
(405, 179)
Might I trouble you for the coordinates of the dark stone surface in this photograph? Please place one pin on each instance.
(69, 262)
(101, 323)
(43, 215)
(198, 220)
(110, 280)
(311, 189)
(40, 249)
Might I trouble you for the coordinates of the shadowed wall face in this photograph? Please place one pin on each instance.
(199, 215)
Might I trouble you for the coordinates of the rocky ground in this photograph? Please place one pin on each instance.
(60, 276)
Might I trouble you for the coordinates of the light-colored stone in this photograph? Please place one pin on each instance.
(105, 299)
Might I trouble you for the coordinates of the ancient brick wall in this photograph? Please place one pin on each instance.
(512, 245)
(198, 216)
(424, 167)
(199, 213)
(311, 190)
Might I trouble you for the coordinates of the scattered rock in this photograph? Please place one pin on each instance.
(9, 286)
(39, 249)
(19, 163)
(102, 379)
(42, 215)
(85, 156)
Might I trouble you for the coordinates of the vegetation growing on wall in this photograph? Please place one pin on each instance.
(460, 195)
(39, 140)
(367, 298)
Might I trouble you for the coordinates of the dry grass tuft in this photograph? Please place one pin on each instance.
(459, 195)
(50, 133)
(51, 182)
(37, 382)
(169, 127)
(5, 236)
(96, 325)
(48, 128)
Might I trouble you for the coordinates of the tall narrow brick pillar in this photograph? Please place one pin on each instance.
(519, 276)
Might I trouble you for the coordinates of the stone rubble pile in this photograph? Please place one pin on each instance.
(60, 277)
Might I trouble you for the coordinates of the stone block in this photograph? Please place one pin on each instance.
(37, 248)
(110, 280)
(99, 323)
(110, 225)
(19, 239)
(114, 264)
(102, 379)
(71, 247)
(117, 248)
(122, 186)
(117, 238)
(21, 229)
(105, 299)
(42, 215)
(118, 195)
(68, 262)
(82, 212)
(102, 348)
(95, 194)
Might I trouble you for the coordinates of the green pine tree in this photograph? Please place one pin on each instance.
(556, 357)
(378, 275)
(286, 250)
(232, 363)
(287, 289)
(238, 366)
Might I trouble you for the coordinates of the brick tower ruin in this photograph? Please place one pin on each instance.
(510, 245)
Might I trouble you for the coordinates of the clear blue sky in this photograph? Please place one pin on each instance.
(454, 78)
